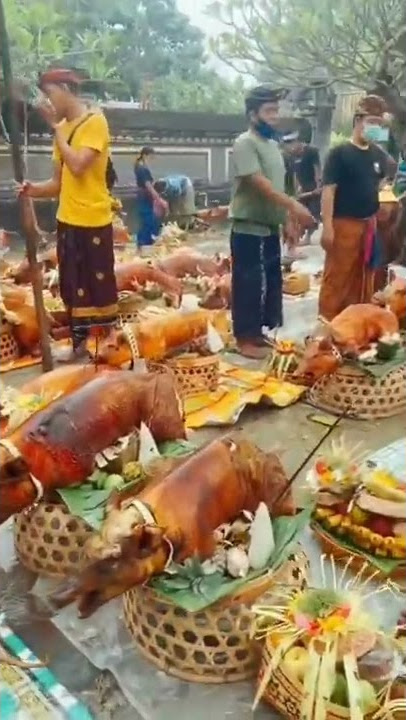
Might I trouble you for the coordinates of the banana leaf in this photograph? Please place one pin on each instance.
(176, 448)
(197, 593)
(86, 502)
(380, 368)
(385, 565)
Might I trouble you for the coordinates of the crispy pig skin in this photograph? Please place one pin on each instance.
(202, 492)
(351, 331)
(159, 337)
(58, 445)
(135, 274)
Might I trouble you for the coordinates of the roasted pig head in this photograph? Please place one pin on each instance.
(176, 516)
(394, 298)
(142, 555)
(319, 359)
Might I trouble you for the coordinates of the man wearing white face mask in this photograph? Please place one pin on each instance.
(352, 176)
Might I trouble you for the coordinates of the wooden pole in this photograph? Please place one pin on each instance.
(28, 219)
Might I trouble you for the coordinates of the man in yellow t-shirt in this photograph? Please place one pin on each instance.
(84, 216)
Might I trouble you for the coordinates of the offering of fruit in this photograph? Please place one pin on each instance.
(363, 504)
(296, 662)
(324, 634)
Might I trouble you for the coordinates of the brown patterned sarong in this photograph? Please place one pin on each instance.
(346, 279)
(86, 274)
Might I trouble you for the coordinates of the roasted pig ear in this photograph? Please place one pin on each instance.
(15, 485)
(14, 469)
(143, 554)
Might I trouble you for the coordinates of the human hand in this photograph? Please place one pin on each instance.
(301, 214)
(48, 113)
(25, 189)
(327, 236)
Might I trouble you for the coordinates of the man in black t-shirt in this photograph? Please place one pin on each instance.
(306, 173)
(352, 176)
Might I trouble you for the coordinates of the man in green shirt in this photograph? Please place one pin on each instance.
(258, 208)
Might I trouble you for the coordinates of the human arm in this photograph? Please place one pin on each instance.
(248, 169)
(145, 181)
(47, 189)
(317, 167)
(388, 164)
(331, 177)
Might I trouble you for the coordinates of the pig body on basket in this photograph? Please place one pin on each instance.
(218, 295)
(349, 333)
(58, 445)
(160, 337)
(187, 262)
(185, 507)
(135, 274)
(17, 307)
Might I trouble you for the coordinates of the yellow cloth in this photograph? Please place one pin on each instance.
(85, 200)
(238, 388)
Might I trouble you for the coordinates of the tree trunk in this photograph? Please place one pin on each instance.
(325, 104)
(28, 218)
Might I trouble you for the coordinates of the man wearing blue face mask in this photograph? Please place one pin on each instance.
(352, 176)
(258, 208)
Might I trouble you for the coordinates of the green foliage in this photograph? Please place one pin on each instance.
(299, 40)
(338, 138)
(205, 92)
(140, 49)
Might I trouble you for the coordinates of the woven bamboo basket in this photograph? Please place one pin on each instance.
(8, 344)
(285, 693)
(49, 540)
(363, 396)
(341, 553)
(194, 374)
(210, 646)
(129, 304)
(296, 283)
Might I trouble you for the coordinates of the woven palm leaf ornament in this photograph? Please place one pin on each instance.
(331, 629)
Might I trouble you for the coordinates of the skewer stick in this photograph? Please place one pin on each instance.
(311, 454)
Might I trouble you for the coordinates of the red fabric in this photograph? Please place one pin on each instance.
(59, 76)
(369, 240)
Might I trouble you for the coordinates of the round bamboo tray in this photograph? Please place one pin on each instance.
(194, 374)
(49, 540)
(363, 396)
(8, 344)
(210, 646)
(285, 693)
(331, 546)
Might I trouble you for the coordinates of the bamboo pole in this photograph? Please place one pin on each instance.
(28, 218)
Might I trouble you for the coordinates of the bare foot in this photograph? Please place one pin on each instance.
(253, 351)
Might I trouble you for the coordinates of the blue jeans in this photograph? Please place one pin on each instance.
(256, 286)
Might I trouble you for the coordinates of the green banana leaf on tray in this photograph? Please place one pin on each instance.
(193, 591)
(380, 368)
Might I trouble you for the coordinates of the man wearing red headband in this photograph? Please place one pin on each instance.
(84, 216)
